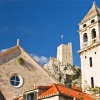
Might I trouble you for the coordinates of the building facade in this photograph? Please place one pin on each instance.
(19, 71)
(89, 31)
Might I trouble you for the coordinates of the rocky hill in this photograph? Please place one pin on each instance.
(64, 73)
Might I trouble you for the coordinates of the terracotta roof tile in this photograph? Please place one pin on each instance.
(43, 87)
(77, 88)
(21, 98)
(50, 91)
(18, 98)
(56, 89)
(62, 89)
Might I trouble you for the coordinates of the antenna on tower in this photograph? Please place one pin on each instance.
(17, 42)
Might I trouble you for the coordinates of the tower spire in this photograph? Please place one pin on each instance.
(17, 42)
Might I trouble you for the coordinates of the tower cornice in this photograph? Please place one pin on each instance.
(89, 47)
(89, 26)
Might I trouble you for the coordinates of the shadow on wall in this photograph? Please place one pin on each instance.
(2, 96)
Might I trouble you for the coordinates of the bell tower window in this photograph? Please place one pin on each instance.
(85, 37)
(93, 33)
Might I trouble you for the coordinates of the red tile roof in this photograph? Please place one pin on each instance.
(21, 98)
(62, 89)
(77, 88)
(56, 89)
(16, 98)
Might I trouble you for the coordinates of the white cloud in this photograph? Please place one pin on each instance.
(41, 59)
(2, 50)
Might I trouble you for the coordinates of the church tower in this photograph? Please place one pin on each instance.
(89, 31)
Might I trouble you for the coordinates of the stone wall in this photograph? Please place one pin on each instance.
(31, 74)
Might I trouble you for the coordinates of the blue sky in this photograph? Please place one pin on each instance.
(39, 25)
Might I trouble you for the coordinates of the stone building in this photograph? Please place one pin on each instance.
(64, 54)
(58, 66)
(62, 67)
(19, 71)
(89, 31)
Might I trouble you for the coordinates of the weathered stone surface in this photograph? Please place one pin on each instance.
(30, 71)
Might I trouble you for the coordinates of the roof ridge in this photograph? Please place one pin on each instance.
(93, 8)
(55, 87)
(8, 50)
(51, 91)
(96, 8)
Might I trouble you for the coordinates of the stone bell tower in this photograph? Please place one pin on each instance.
(89, 31)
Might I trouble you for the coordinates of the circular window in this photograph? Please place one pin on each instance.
(16, 80)
(92, 21)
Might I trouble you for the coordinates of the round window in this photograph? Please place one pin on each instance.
(16, 81)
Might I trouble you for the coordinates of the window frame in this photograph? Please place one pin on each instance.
(14, 79)
(34, 92)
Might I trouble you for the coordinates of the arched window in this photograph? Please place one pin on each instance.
(90, 60)
(93, 33)
(85, 37)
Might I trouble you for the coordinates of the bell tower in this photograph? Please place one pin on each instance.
(89, 31)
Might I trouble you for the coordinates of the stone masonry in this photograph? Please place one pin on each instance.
(31, 72)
